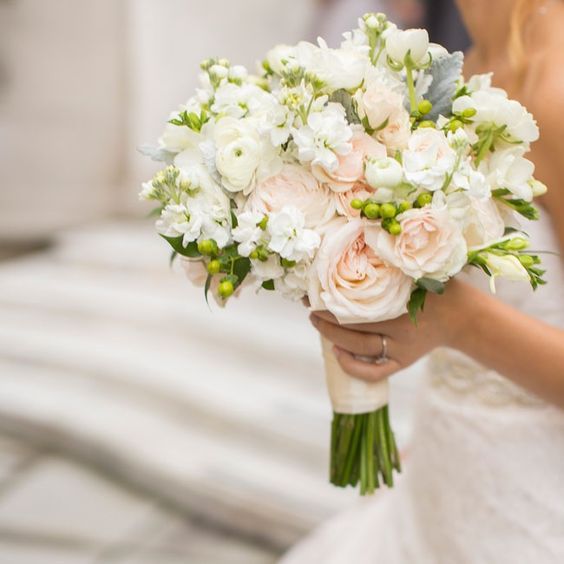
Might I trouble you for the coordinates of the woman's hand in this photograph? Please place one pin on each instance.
(406, 343)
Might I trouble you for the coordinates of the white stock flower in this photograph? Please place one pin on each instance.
(269, 269)
(248, 233)
(294, 284)
(509, 169)
(482, 222)
(428, 159)
(506, 266)
(281, 58)
(471, 180)
(326, 135)
(342, 68)
(383, 173)
(239, 101)
(289, 237)
(413, 41)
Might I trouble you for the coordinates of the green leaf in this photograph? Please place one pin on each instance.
(234, 222)
(522, 207)
(173, 255)
(190, 251)
(416, 303)
(241, 267)
(207, 287)
(268, 285)
(430, 285)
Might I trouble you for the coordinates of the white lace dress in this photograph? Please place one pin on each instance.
(484, 480)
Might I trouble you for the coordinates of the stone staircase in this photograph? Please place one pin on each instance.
(108, 355)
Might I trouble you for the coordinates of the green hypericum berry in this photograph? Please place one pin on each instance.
(394, 228)
(469, 112)
(427, 123)
(254, 255)
(526, 260)
(405, 205)
(208, 247)
(357, 204)
(388, 211)
(214, 266)
(225, 289)
(455, 124)
(372, 211)
(424, 107)
(424, 199)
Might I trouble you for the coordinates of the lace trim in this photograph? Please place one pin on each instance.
(457, 373)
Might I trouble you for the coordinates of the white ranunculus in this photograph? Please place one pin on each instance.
(383, 173)
(240, 153)
(337, 68)
(509, 169)
(412, 41)
(352, 281)
(248, 233)
(326, 135)
(506, 266)
(430, 244)
(428, 159)
(289, 236)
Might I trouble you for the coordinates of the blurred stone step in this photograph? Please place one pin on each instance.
(234, 483)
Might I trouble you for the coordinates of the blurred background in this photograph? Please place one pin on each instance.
(136, 426)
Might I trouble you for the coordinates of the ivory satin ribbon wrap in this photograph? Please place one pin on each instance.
(350, 395)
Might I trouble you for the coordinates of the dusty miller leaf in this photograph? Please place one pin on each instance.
(446, 72)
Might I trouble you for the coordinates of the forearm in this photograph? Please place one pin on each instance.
(523, 349)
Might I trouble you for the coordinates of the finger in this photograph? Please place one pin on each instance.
(326, 316)
(392, 327)
(366, 344)
(364, 370)
(305, 301)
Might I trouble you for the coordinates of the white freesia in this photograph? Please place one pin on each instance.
(326, 135)
(414, 42)
(509, 169)
(248, 233)
(383, 173)
(337, 68)
(428, 159)
(289, 236)
(504, 266)
(493, 107)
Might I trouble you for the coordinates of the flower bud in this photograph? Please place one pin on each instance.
(424, 107)
(263, 223)
(538, 188)
(516, 244)
(412, 42)
(469, 112)
(254, 255)
(387, 211)
(454, 125)
(219, 71)
(214, 267)
(526, 260)
(427, 124)
(371, 210)
(225, 289)
(383, 173)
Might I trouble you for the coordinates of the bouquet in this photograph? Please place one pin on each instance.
(362, 177)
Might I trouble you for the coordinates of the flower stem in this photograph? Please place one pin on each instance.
(411, 88)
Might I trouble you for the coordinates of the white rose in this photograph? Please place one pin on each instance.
(430, 244)
(289, 237)
(294, 186)
(506, 266)
(351, 280)
(428, 159)
(383, 173)
(412, 41)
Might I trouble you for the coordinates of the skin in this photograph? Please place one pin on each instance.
(465, 318)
